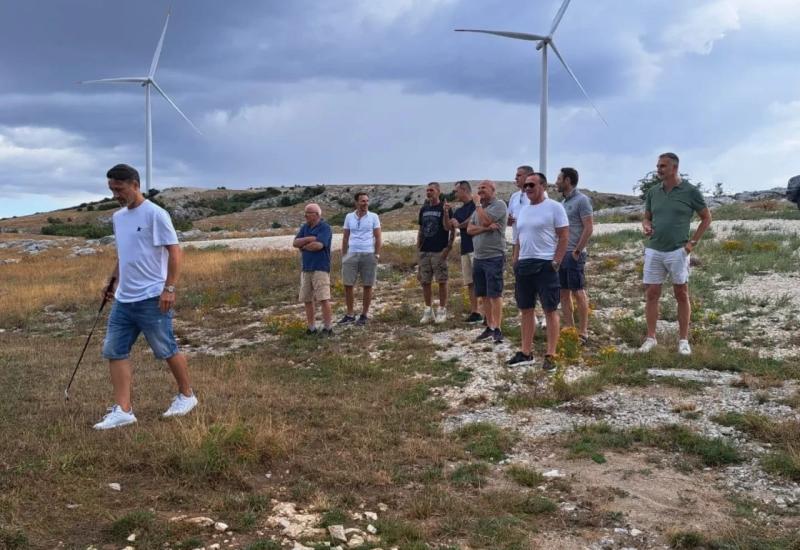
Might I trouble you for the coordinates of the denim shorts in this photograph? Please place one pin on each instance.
(487, 276)
(537, 279)
(572, 275)
(127, 320)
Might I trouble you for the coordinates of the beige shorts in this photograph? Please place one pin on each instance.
(658, 265)
(466, 268)
(431, 266)
(315, 286)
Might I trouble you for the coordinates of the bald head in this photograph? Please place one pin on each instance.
(486, 190)
(313, 214)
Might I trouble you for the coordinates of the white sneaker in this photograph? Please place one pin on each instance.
(427, 316)
(441, 315)
(684, 348)
(541, 322)
(181, 405)
(649, 344)
(115, 418)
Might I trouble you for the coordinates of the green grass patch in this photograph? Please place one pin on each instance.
(395, 531)
(470, 475)
(527, 477)
(140, 522)
(617, 240)
(485, 441)
(13, 539)
(86, 230)
(502, 533)
(784, 463)
(264, 545)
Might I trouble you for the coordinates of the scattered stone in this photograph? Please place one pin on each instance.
(620, 530)
(299, 546)
(550, 474)
(220, 526)
(201, 521)
(69, 506)
(635, 532)
(9, 261)
(382, 507)
(356, 541)
(132, 537)
(215, 546)
(372, 529)
(293, 524)
(115, 486)
(337, 532)
(371, 516)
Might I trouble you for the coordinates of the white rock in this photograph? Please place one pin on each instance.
(382, 507)
(337, 532)
(215, 546)
(355, 542)
(129, 548)
(371, 516)
(115, 486)
(69, 506)
(372, 529)
(353, 530)
(552, 474)
(132, 537)
(202, 521)
(635, 532)
(220, 526)
(298, 546)
(620, 531)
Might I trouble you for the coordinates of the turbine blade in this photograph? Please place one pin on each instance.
(575, 78)
(517, 35)
(138, 79)
(559, 15)
(165, 96)
(157, 55)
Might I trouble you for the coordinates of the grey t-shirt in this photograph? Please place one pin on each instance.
(578, 206)
(491, 244)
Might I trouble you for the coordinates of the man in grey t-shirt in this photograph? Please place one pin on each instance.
(487, 227)
(571, 275)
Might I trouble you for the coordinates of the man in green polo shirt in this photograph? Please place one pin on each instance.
(668, 211)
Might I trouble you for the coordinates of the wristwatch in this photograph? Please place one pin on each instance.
(556, 265)
(693, 242)
(170, 289)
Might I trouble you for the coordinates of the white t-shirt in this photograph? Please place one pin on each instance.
(518, 200)
(535, 230)
(141, 234)
(362, 238)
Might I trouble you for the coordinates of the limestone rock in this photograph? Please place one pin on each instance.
(337, 532)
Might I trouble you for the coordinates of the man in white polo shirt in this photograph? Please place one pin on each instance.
(361, 246)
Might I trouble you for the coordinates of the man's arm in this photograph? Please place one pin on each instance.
(480, 213)
(301, 242)
(174, 255)
(588, 229)
(473, 229)
(647, 223)
(515, 254)
(108, 291)
(316, 246)
(705, 223)
(561, 248)
(376, 233)
(345, 241)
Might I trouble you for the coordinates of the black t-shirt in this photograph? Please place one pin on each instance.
(434, 235)
(462, 214)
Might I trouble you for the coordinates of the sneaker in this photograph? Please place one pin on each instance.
(541, 322)
(584, 338)
(346, 319)
(520, 360)
(497, 336)
(441, 315)
(427, 316)
(549, 365)
(684, 348)
(311, 331)
(115, 418)
(326, 332)
(649, 344)
(485, 335)
(362, 320)
(474, 318)
(181, 405)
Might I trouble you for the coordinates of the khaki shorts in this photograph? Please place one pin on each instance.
(359, 263)
(466, 268)
(315, 286)
(431, 266)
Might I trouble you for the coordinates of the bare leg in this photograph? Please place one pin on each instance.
(327, 314)
(528, 330)
(684, 309)
(427, 293)
(443, 293)
(566, 308)
(121, 376)
(180, 370)
(652, 294)
(552, 331)
(309, 314)
(348, 299)
(494, 311)
(367, 300)
(473, 301)
(583, 311)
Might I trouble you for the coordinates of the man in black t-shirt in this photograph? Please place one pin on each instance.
(434, 242)
(460, 220)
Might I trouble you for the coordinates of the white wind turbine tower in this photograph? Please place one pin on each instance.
(147, 82)
(543, 43)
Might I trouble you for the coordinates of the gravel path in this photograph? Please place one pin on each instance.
(721, 228)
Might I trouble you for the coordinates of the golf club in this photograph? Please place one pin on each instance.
(109, 288)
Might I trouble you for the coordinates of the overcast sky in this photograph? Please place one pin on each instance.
(383, 91)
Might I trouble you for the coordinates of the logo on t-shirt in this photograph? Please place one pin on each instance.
(138, 229)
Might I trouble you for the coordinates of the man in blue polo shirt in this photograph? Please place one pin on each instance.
(314, 242)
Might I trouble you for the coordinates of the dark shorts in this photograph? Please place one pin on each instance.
(128, 320)
(571, 275)
(537, 278)
(487, 276)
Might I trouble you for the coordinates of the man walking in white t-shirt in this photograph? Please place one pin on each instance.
(541, 234)
(148, 262)
(518, 198)
(361, 248)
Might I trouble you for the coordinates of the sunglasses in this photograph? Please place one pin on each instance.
(529, 186)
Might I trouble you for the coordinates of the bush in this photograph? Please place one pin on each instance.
(651, 179)
(86, 230)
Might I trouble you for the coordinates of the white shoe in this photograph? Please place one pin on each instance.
(181, 405)
(684, 348)
(649, 344)
(441, 315)
(541, 322)
(427, 316)
(115, 418)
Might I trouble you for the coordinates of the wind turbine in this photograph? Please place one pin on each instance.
(543, 43)
(147, 82)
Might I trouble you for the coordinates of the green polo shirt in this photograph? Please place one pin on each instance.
(671, 214)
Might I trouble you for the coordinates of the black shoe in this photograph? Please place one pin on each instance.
(549, 365)
(311, 331)
(474, 318)
(362, 320)
(326, 332)
(584, 338)
(346, 319)
(497, 336)
(519, 360)
(485, 335)
(484, 323)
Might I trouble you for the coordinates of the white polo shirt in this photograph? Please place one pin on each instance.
(516, 202)
(362, 238)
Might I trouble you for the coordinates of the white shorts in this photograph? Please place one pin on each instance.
(657, 265)
(466, 268)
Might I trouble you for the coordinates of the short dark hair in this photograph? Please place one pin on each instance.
(123, 172)
(572, 174)
(527, 169)
(671, 156)
(360, 194)
(464, 183)
(541, 177)
(434, 184)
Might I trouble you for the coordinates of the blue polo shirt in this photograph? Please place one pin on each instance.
(320, 260)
